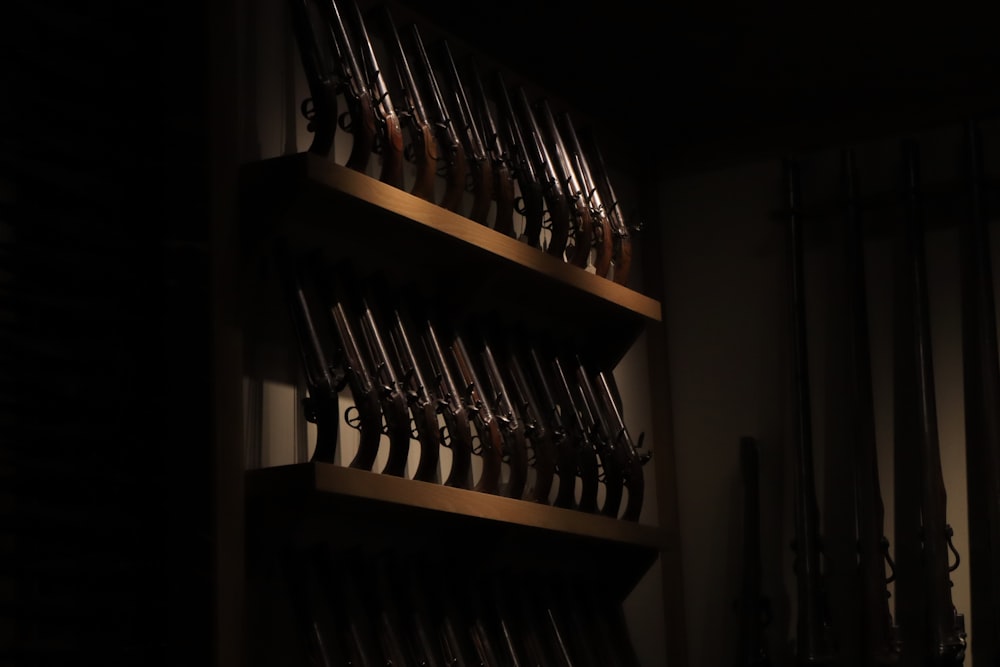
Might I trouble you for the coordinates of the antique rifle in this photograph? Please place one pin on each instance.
(879, 643)
(319, 63)
(813, 633)
(324, 379)
(315, 615)
(628, 458)
(457, 436)
(933, 630)
(499, 155)
(477, 403)
(578, 253)
(597, 426)
(553, 190)
(477, 160)
(604, 241)
(529, 203)
(620, 230)
(423, 144)
(586, 450)
(395, 411)
(359, 120)
(419, 394)
(536, 430)
(754, 607)
(981, 371)
(567, 466)
(389, 134)
(448, 140)
(515, 445)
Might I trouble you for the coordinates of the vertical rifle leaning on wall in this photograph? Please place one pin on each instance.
(813, 631)
(981, 370)
(879, 644)
(933, 632)
(621, 231)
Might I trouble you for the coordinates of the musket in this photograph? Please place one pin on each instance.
(536, 429)
(620, 230)
(457, 436)
(981, 372)
(940, 639)
(554, 194)
(487, 426)
(626, 451)
(813, 640)
(319, 63)
(604, 242)
(578, 253)
(499, 155)
(314, 613)
(478, 161)
(606, 444)
(448, 141)
(585, 450)
(389, 135)
(336, 585)
(360, 117)
(529, 202)
(423, 144)
(324, 379)
(515, 445)
(567, 466)
(395, 411)
(754, 607)
(419, 394)
(880, 645)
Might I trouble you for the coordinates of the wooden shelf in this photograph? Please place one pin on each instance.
(312, 501)
(469, 268)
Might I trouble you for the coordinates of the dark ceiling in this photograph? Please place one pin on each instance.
(709, 81)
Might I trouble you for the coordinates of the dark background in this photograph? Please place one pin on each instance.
(108, 518)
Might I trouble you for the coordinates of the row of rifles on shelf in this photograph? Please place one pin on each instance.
(544, 424)
(484, 137)
(928, 629)
(419, 613)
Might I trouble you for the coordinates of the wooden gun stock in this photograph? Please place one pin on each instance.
(319, 65)
(490, 439)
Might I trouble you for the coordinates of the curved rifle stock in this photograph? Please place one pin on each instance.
(356, 368)
(627, 453)
(566, 464)
(423, 145)
(448, 141)
(477, 160)
(553, 192)
(487, 428)
(585, 450)
(578, 253)
(608, 450)
(622, 239)
(419, 394)
(511, 424)
(536, 430)
(500, 157)
(456, 418)
(924, 574)
(395, 411)
(360, 107)
(389, 137)
(878, 634)
(319, 63)
(530, 203)
(603, 239)
(324, 380)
